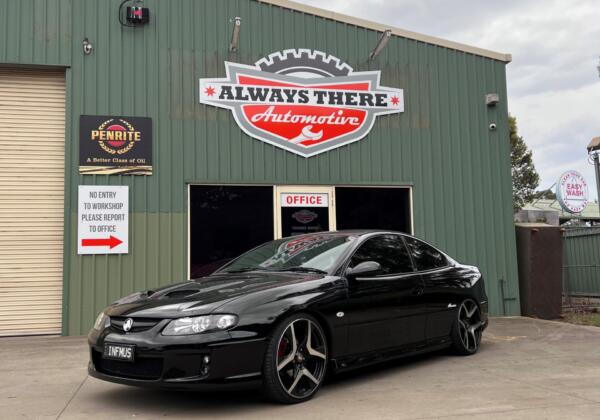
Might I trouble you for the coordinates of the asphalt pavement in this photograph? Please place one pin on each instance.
(526, 369)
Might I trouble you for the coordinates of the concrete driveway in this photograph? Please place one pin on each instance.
(528, 369)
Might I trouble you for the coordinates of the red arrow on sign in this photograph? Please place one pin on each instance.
(110, 242)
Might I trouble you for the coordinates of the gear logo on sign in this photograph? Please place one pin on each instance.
(304, 101)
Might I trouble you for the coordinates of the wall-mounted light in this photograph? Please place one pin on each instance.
(492, 99)
(235, 35)
(594, 155)
(87, 46)
(383, 40)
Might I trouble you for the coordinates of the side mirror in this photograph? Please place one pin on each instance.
(367, 268)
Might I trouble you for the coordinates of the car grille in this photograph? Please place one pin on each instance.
(139, 324)
(149, 368)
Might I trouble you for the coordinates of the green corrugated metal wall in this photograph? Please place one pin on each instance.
(441, 144)
(581, 261)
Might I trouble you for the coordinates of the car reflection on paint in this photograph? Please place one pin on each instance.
(282, 315)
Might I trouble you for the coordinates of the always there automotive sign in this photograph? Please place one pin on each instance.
(303, 101)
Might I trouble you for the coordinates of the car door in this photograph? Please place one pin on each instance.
(385, 310)
(441, 295)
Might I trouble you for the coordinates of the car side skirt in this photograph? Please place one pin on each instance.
(358, 361)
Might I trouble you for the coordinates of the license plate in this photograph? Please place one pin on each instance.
(123, 352)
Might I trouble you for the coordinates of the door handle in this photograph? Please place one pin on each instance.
(417, 291)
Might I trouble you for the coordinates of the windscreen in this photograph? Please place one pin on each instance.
(316, 252)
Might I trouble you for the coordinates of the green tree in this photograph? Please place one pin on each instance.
(525, 178)
(545, 194)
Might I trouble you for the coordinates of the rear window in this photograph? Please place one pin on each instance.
(425, 256)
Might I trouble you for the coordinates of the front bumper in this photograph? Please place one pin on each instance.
(254, 381)
(179, 362)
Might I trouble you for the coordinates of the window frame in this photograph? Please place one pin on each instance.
(400, 236)
(449, 261)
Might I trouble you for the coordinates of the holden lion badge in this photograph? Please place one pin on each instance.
(304, 101)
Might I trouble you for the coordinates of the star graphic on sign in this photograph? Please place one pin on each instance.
(395, 100)
(210, 91)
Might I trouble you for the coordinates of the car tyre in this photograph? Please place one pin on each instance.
(295, 361)
(467, 328)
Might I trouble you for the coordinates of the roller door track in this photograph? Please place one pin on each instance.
(32, 147)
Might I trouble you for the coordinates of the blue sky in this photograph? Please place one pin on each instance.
(553, 83)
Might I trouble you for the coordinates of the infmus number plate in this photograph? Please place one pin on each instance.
(124, 352)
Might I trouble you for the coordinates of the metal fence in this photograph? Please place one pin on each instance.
(581, 262)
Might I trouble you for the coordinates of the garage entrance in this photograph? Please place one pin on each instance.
(227, 220)
(32, 141)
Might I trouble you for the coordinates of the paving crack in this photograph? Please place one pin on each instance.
(72, 397)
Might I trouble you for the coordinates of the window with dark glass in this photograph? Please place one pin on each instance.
(425, 256)
(387, 250)
(373, 208)
(226, 221)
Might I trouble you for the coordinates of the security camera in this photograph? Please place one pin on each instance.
(493, 127)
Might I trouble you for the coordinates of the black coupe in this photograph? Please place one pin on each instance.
(283, 314)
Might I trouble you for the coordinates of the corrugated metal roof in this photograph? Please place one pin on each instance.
(590, 212)
(535, 225)
(582, 231)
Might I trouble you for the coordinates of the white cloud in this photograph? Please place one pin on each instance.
(558, 125)
(553, 84)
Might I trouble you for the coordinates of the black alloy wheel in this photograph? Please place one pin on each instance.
(295, 361)
(467, 329)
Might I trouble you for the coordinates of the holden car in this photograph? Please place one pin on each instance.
(288, 312)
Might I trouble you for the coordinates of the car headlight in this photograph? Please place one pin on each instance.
(102, 321)
(200, 324)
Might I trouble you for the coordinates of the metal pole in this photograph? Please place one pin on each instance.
(597, 167)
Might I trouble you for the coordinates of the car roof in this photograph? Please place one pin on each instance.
(356, 232)
(367, 231)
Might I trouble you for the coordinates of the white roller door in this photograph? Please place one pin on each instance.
(32, 144)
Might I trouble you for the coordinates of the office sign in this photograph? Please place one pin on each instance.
(304, 101)
(103, 214)
(304, 200)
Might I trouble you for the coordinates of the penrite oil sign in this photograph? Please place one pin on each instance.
(304, 101)
(111, 145)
